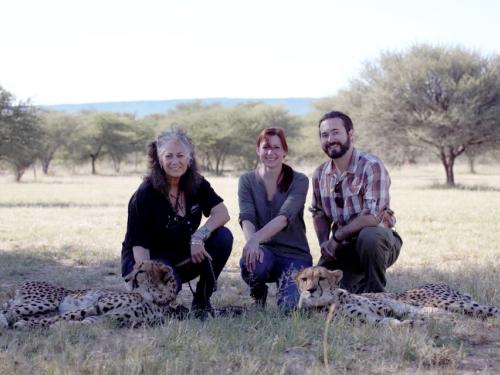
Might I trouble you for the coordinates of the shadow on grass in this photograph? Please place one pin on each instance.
(21, 261)
(437, 186)
(22, 265)
(69, 178)
(480, 281)
(46, 182)
(57, 205)
(16, 267)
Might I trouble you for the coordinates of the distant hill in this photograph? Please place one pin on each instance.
(296, 106)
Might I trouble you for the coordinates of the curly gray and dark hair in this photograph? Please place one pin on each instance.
(190, 180)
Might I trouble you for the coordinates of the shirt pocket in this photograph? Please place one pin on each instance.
(353, 195)
(354, 188)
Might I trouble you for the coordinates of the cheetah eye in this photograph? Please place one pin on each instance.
(321, 278)
(303, 278)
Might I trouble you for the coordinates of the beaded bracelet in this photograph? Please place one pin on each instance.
(203, 233)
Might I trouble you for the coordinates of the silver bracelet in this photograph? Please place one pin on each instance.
(196, 241)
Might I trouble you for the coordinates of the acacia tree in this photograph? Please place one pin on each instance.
(445, 99)
(58, 129)
(212, 129)
(222, 133)
(20, 135)
(249, 119)
(396, 149)
(129, 136)
(203, 124)
(103, 134)
(211, 132)
(88, 141)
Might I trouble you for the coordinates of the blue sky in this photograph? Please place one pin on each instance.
(76, 51)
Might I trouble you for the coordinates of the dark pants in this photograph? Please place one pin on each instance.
(365, 258)
(219, 246)
(279, 269)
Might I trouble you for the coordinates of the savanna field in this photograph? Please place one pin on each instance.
(69, 229)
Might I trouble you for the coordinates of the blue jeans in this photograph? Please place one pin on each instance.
(279, 269)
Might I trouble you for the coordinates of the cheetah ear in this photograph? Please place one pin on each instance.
(128, 277)
(336, 276)
(144, 265)
(168, 272)
(137, 267)
(161, 271)
(162, 267)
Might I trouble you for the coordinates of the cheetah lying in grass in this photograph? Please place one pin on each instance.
(319, 287)
(154, 289)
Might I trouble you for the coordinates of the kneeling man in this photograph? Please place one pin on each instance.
(350, 206)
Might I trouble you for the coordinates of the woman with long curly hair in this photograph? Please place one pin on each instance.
(164, 217)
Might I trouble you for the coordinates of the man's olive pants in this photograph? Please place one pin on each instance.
(365, 258)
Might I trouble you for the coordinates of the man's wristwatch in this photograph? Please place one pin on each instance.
(335, 238)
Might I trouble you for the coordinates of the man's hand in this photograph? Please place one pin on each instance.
(328, 249)
(252, 253)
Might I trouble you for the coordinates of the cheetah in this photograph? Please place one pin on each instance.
(150, 301)
(319, 287)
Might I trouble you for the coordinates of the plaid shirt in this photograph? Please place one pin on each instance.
(363, 189)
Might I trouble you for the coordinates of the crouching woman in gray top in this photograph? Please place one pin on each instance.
(271, 200)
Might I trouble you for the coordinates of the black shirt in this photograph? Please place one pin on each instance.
(153, 224)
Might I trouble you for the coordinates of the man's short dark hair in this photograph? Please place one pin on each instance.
(346, 120)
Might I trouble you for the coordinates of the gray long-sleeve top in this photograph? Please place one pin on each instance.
(254, 207)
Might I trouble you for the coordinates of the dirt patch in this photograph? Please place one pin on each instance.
(482, 355)
(296, 360)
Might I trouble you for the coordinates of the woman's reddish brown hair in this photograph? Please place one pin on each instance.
(266, 133)
(286, 176)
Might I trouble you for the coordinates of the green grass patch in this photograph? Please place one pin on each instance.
(69, 230)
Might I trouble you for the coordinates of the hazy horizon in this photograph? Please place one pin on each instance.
(58, 52)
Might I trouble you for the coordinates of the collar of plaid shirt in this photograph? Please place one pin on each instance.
(353, 164)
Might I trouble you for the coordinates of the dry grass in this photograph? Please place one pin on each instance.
(69, 229)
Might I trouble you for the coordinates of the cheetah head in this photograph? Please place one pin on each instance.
(316, 285)
(154, 280)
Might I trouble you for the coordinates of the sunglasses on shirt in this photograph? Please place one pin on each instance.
(339, 201)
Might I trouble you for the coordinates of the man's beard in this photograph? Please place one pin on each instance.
(337, 153)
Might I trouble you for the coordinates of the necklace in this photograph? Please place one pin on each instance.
(178, 206)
